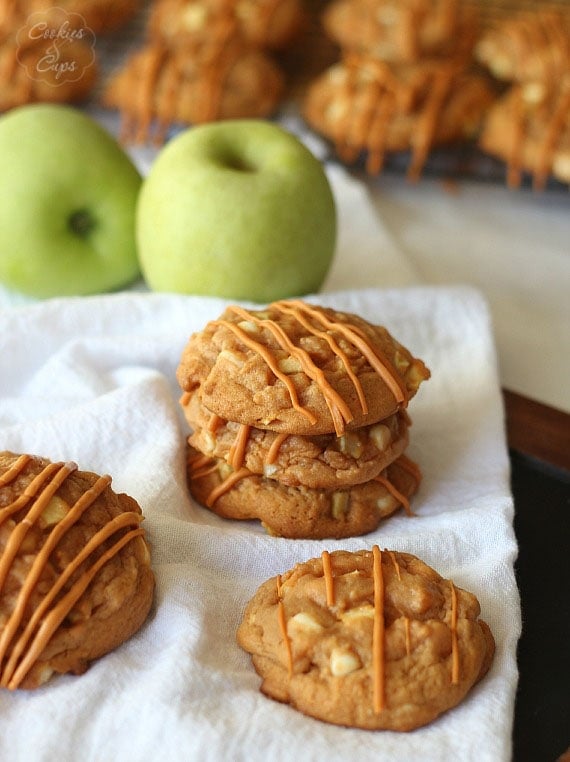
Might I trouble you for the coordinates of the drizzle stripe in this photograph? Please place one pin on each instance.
(273, 451)
(15, 469)
(270, 360)
(395, 493)
(237, 450)
(226, 485)
(378, 664)
(328, 575)
(41, 559)
(59, 612)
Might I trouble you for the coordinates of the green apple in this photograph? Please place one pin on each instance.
(239, 209)
(68, 197)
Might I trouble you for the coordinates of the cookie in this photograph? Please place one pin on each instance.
(366, 107)
(26, 78)
(271, 24)
(528, 46)
(402, 31)
(529, 129)
(75, 575)
(325, 461)
(221, 79)
(301, 512)
(372, 639)
(99, 15)
(299, 369)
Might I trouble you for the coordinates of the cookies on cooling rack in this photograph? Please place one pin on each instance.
(529, 126)
(75, 575)
(371, 639)
(369, 108)
(299, 419)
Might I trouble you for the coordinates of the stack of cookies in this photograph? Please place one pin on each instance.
(529, 127)
(299, 419)
(403, 82)
(203, 60)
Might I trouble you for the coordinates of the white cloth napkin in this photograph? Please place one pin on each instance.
(92, 380)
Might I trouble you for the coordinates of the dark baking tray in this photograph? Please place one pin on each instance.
(540, 481)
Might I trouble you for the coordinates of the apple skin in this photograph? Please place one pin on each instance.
(67, 215)
(239, 209)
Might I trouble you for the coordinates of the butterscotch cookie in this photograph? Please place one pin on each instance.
(221, 79)
(301, 512)
(372, 639)
(325, 461)
(272, 24)
(98, 15)
(299, 369)
(27, 76)
(527, 46)
(402, 31)
(529, 129)
(368, 108)
(75, 576)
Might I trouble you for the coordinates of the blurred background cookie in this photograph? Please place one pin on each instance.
(75, 575)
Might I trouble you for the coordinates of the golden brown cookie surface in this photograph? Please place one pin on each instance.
(402, 31)
(299, 369)
(325, 461)
(365, 106)
(269, 24)
(301, 512)
(372, 639)
(75, 575)
(528, 46)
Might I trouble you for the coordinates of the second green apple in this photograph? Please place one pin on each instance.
(237, 209)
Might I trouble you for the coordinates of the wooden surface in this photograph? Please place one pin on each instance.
(537, 430)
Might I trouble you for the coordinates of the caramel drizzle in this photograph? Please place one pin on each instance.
(237, 450)
(379, 363)
(328, 577)
(399, 496)
(381, 98)
(185, 398)
(273, 451)
(282, 619)
(338, 408)
(226, 485)
(378, 633)
(44, 622)
(214, 423)
(408, 465)
(406, 619)
(454, 643)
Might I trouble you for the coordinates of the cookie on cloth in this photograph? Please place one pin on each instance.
(527, 46)
(271, 24)
(301, 512)
(402, 31)
(367, 107)
(75, 575)
(222, 79)
(299, 369)
(529, 129)
(324, 461)
(370, 639)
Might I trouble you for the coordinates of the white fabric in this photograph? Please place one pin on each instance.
(92, 380)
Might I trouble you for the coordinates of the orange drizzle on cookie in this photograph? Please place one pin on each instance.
(454, 643)
(378, 656)
(46, 618)
(328, 577)
(237, 450)
(283, 626)
(226, 485)
(273, 451)
(399, 496)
